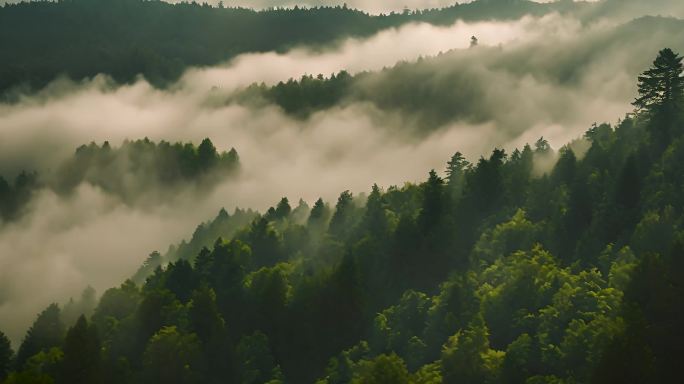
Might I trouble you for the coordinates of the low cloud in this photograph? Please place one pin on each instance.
(531, 86)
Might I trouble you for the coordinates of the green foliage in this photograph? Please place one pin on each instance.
(341, 220)
(283, 209)
(138, 172)
(268, 291)
(144, 170)
(522, 360)
(661, 85)
(45, 333)
(6, 356)
(172, 356)
(306, 95)
(41, 368)
(383, 369)
(456, 169)
(266, 243)
(257, 363)
(205, 320)
(210, 35)
(116, 304)
(515, 288)
(467, 357)
(428, 374)
(452, 309)
(319, 213)
(205, 235)
(82, 355)
(515, 235)
(500, 274)
(374, 220)
(434, 203)
(400, 327)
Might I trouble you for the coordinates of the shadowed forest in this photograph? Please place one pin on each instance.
(520, 263)
(126, 38)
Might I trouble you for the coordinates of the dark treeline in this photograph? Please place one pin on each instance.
(125, 38)
(491, 275)
(139, 171)
(14, 195)
(141, 167)
(302, 97)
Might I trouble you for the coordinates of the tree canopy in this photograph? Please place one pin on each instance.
(494, 274)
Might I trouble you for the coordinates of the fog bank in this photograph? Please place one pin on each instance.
(63, 244)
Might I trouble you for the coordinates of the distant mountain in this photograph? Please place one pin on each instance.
(125, 38)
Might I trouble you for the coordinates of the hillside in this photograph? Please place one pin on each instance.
(495, 274)
(126, 38)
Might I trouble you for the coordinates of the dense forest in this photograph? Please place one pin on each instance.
(137, 172)
(14, 195)
(434, 91)
(497, 273)
(41, 40)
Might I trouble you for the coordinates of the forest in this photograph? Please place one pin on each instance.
(495, 273)
(483, 192)
(79, 39)
(449, 87)
(137, 172)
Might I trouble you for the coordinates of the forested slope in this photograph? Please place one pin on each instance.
(126, 38)
(477, 85)
(495, 274)
(139, 172)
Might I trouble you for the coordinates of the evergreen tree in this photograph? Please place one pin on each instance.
(6, 356)
(341, 220)
(456, 168)
(319, 215)
(383, 369)
(433, 202)
(46, 332)
(440, 285)
(181, 280)
(206, 322)
(172, 357)
(206, 155)
(661, 86)
(375, 219)
(467, 358)
(265, 243)
(257, 362)
(82, 355)
(283, 209)
(661, 94)
(204, 317)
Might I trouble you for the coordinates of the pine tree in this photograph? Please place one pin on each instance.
(433, 202)
(6, 355)
(340, 222)
(46, 332)
(319, 215)
(456, 168)
(662, 85)
(661, 94)
(82, 362)
(375, 219)
(283, 209)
